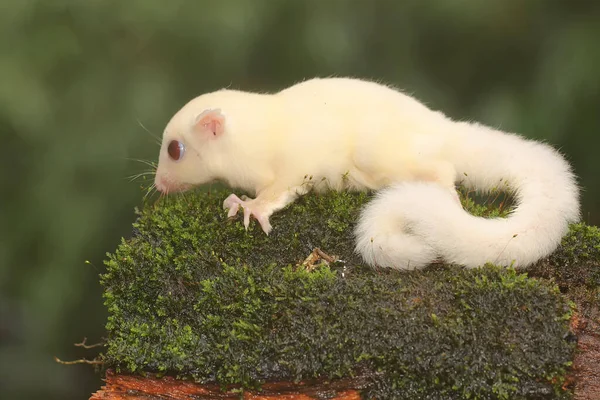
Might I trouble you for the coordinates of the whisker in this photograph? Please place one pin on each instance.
(150, 191)
(141, 174)
(156, 138)
(146, 172)
(151, 164)
(162, 195)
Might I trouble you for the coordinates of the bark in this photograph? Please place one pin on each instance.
(130, 387)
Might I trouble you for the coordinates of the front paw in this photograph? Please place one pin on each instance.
(251, 208)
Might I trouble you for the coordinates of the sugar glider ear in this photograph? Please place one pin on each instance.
(210, 122)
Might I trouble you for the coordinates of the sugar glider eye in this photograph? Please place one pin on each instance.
(176, 150)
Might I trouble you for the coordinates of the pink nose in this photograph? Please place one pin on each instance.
(166, 185)
(161, 183)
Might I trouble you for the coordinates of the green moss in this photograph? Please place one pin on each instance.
(575, 268)
(195, 295)
(495, 204)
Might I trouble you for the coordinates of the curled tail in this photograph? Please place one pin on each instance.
(412, 224)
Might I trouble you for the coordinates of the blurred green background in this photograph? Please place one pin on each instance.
(80, 78)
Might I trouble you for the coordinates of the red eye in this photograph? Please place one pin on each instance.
(176, 150)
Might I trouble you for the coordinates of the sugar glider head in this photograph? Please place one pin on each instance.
(189, 149)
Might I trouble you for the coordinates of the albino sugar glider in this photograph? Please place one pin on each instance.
(350, 134)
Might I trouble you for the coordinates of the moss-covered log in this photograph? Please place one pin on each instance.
(194, 295)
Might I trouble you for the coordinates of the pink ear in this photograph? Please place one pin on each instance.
(210, 122)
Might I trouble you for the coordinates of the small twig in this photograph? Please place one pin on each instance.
(80, 361)
(325, 256)
(309, 261)
(88, 346)
(316, 255)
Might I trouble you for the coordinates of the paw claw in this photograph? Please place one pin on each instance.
(265, 225)
(233, 210)
(251, 208)
(247, 214)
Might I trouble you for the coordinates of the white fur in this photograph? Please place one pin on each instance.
(342, 133)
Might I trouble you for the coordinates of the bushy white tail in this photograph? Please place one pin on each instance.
(411, 224)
